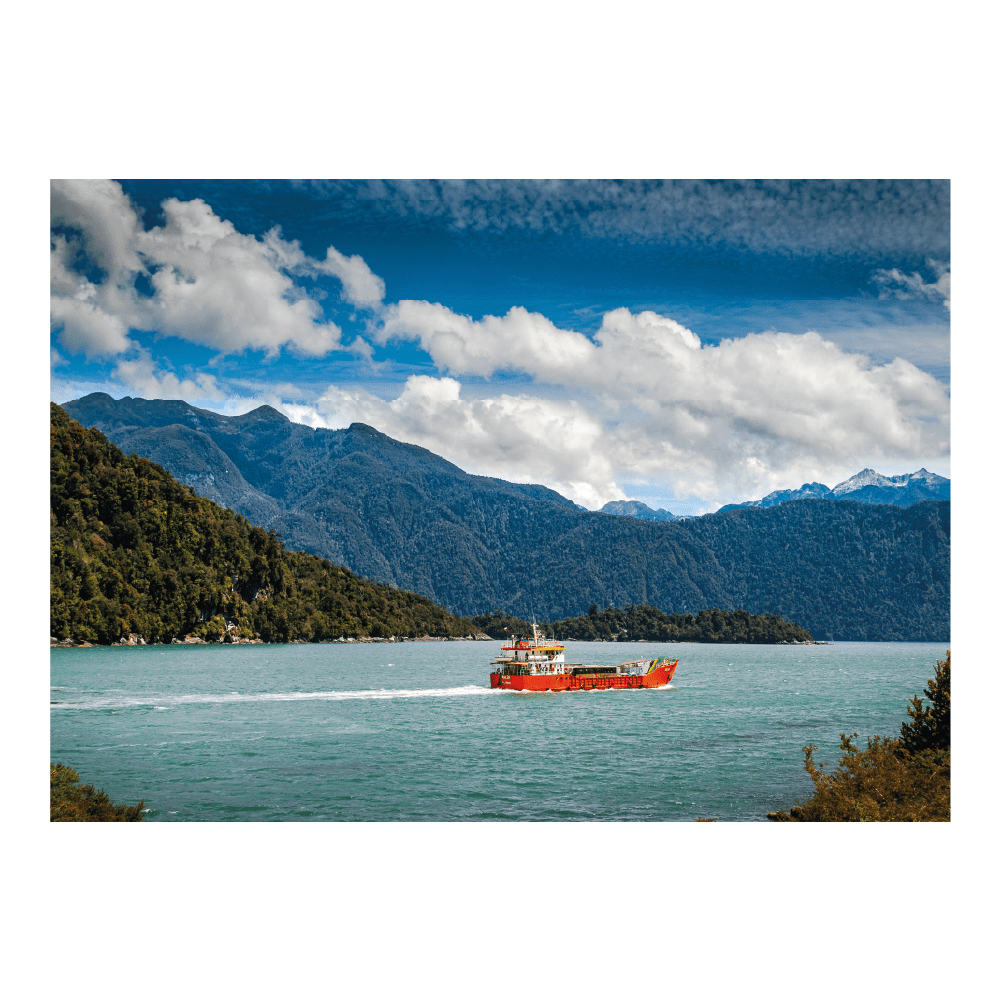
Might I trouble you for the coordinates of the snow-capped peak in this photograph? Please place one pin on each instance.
(867, 478)
(870, 478)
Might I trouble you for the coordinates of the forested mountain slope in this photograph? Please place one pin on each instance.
(134, 552)
(403, 515)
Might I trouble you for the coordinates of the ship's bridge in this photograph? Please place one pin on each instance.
(535, 656)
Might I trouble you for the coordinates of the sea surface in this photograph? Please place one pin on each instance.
(412, 731)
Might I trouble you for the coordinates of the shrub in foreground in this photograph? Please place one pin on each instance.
(907, 779)
(70, 801)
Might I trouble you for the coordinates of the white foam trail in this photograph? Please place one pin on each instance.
(161, 701)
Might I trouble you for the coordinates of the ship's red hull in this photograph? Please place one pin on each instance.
(661, 675)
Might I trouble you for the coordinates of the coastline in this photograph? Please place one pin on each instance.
(478, 638)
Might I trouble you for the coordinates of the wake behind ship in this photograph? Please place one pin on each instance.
(536, 665)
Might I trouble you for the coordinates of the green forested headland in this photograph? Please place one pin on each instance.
(134, 552)
(644, 622)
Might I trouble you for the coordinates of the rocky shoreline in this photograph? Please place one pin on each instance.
(230, 638)
(192, 640)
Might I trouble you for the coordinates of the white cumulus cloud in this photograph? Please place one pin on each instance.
(647, 401)
(212, 285)
(516, 437)
(87, 328)
(519, 340)
(77, 307)
(142, 377)
(360, 286)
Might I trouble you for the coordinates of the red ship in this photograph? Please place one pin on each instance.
(536, 665)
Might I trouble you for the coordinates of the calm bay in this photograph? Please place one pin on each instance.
(412, 731)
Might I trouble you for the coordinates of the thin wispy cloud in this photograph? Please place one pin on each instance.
(893, 284)
(796, 217)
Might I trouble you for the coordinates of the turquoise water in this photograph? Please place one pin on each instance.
(412, 731)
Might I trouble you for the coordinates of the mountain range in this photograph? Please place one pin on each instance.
(868, 486)
(401, 515)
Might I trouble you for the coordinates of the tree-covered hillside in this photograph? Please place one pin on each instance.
(842, 569)
(644, 622)
(403, 516)
(135, 552)
(711, 625)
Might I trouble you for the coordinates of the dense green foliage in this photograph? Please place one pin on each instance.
(500, 626)
(931, 729)
(404, 516)
(841, 569)
(713, 625)
(135, 552)
(70, 801)
(891, 780)
(644, 622)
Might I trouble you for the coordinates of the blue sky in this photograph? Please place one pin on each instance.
(683, 343)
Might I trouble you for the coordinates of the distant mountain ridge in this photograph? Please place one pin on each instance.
(401, 515)
(867, 487)
(637, 509)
